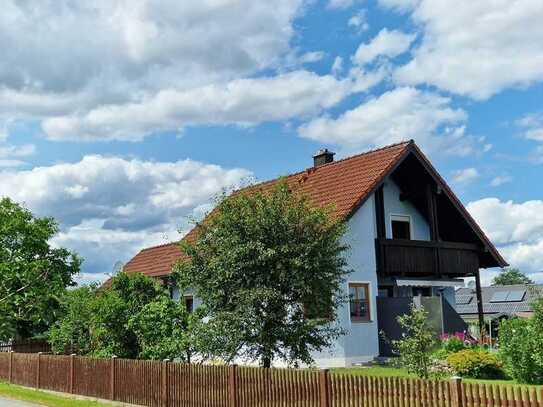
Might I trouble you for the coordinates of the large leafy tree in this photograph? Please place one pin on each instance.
(33, 273)
(268, 267)
(511, 276)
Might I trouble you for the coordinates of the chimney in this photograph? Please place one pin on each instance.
(323, 156)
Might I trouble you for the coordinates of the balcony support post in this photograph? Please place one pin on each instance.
(480, 311)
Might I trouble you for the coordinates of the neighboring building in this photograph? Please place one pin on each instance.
(499, 302)
(410, 237)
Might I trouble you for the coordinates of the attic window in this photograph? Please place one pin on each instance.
(401, 226)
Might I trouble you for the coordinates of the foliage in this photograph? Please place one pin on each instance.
(106, 312)
(417, 342)
(475, 363)
(162, 328)
(72, 334)
(260, 260)
(511, 276)
(521, 346)
(34, 274)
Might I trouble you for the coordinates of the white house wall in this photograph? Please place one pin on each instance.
(361, 341)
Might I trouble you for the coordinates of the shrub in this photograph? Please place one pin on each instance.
(475, 363)
(521, 343)
(417, 342)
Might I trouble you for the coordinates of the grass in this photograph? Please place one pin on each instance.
(43, 398)
(387, 371)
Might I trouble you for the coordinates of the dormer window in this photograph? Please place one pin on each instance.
(401, 226)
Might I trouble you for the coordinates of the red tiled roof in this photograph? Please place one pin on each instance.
(345, 184)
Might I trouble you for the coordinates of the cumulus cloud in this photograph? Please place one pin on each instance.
(110, 207)
(127, 52)
(387, 43)
(241, 101)
(396, 115)
(465, 176)
(475, 48)
(517, 229)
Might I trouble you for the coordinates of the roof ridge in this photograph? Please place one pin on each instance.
(159, 245)
(375, 150)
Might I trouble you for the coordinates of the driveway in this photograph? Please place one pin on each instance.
(15, 403)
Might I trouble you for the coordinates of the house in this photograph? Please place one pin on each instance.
(499, 302)
(411, 239)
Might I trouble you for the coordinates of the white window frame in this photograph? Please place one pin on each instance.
(370, 299)
(401, 218)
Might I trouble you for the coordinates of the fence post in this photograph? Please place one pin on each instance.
(233, 385)
(10, 376)
(456, 392)
(112, 377)
(38, 370)
(165, 384)
(324, 388)
(72, 372)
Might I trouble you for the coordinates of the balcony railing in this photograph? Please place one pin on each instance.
(400, 257)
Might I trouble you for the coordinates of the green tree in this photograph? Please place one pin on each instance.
(163, 329)
(261, 263)
(97, 321)
(417, 343)
(521, 346)
(511, 276)
(72, 333)
(34, 274)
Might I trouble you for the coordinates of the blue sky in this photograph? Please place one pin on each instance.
(123, 119)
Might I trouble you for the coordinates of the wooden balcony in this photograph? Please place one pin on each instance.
(418, 258)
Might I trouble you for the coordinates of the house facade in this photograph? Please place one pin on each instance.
(410, 239)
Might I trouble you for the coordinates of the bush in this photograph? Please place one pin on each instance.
(475, 363)
(521, 344)
(417, 342)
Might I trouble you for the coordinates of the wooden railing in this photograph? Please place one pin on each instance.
(164, 384)
(411, 258)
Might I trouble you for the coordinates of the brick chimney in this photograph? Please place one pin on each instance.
(323, 156)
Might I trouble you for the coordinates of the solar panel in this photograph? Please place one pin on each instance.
(500, 296)
(463, 299)
(516, 295)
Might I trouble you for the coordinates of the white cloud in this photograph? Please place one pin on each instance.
(340, 4)
(475, 48)
(110, 207)
(103, 53)
(517, 229)
(242, 102)
(500, 180)
(465, 176)
(387, 43)
(532, 126)
(359, 21)
(397, 115)
(399, 5)
(337, 66)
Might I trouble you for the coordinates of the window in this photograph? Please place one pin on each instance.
(401, 227)
(189, 302)
(359, 300)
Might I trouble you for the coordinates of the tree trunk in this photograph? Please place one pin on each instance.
(266, 362)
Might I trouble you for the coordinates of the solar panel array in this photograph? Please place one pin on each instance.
(508, 296)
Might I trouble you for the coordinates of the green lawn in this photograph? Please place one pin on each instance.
(43, 398)
(386, 371)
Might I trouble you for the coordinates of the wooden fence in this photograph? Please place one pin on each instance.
(164, 384)
(29, 346)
